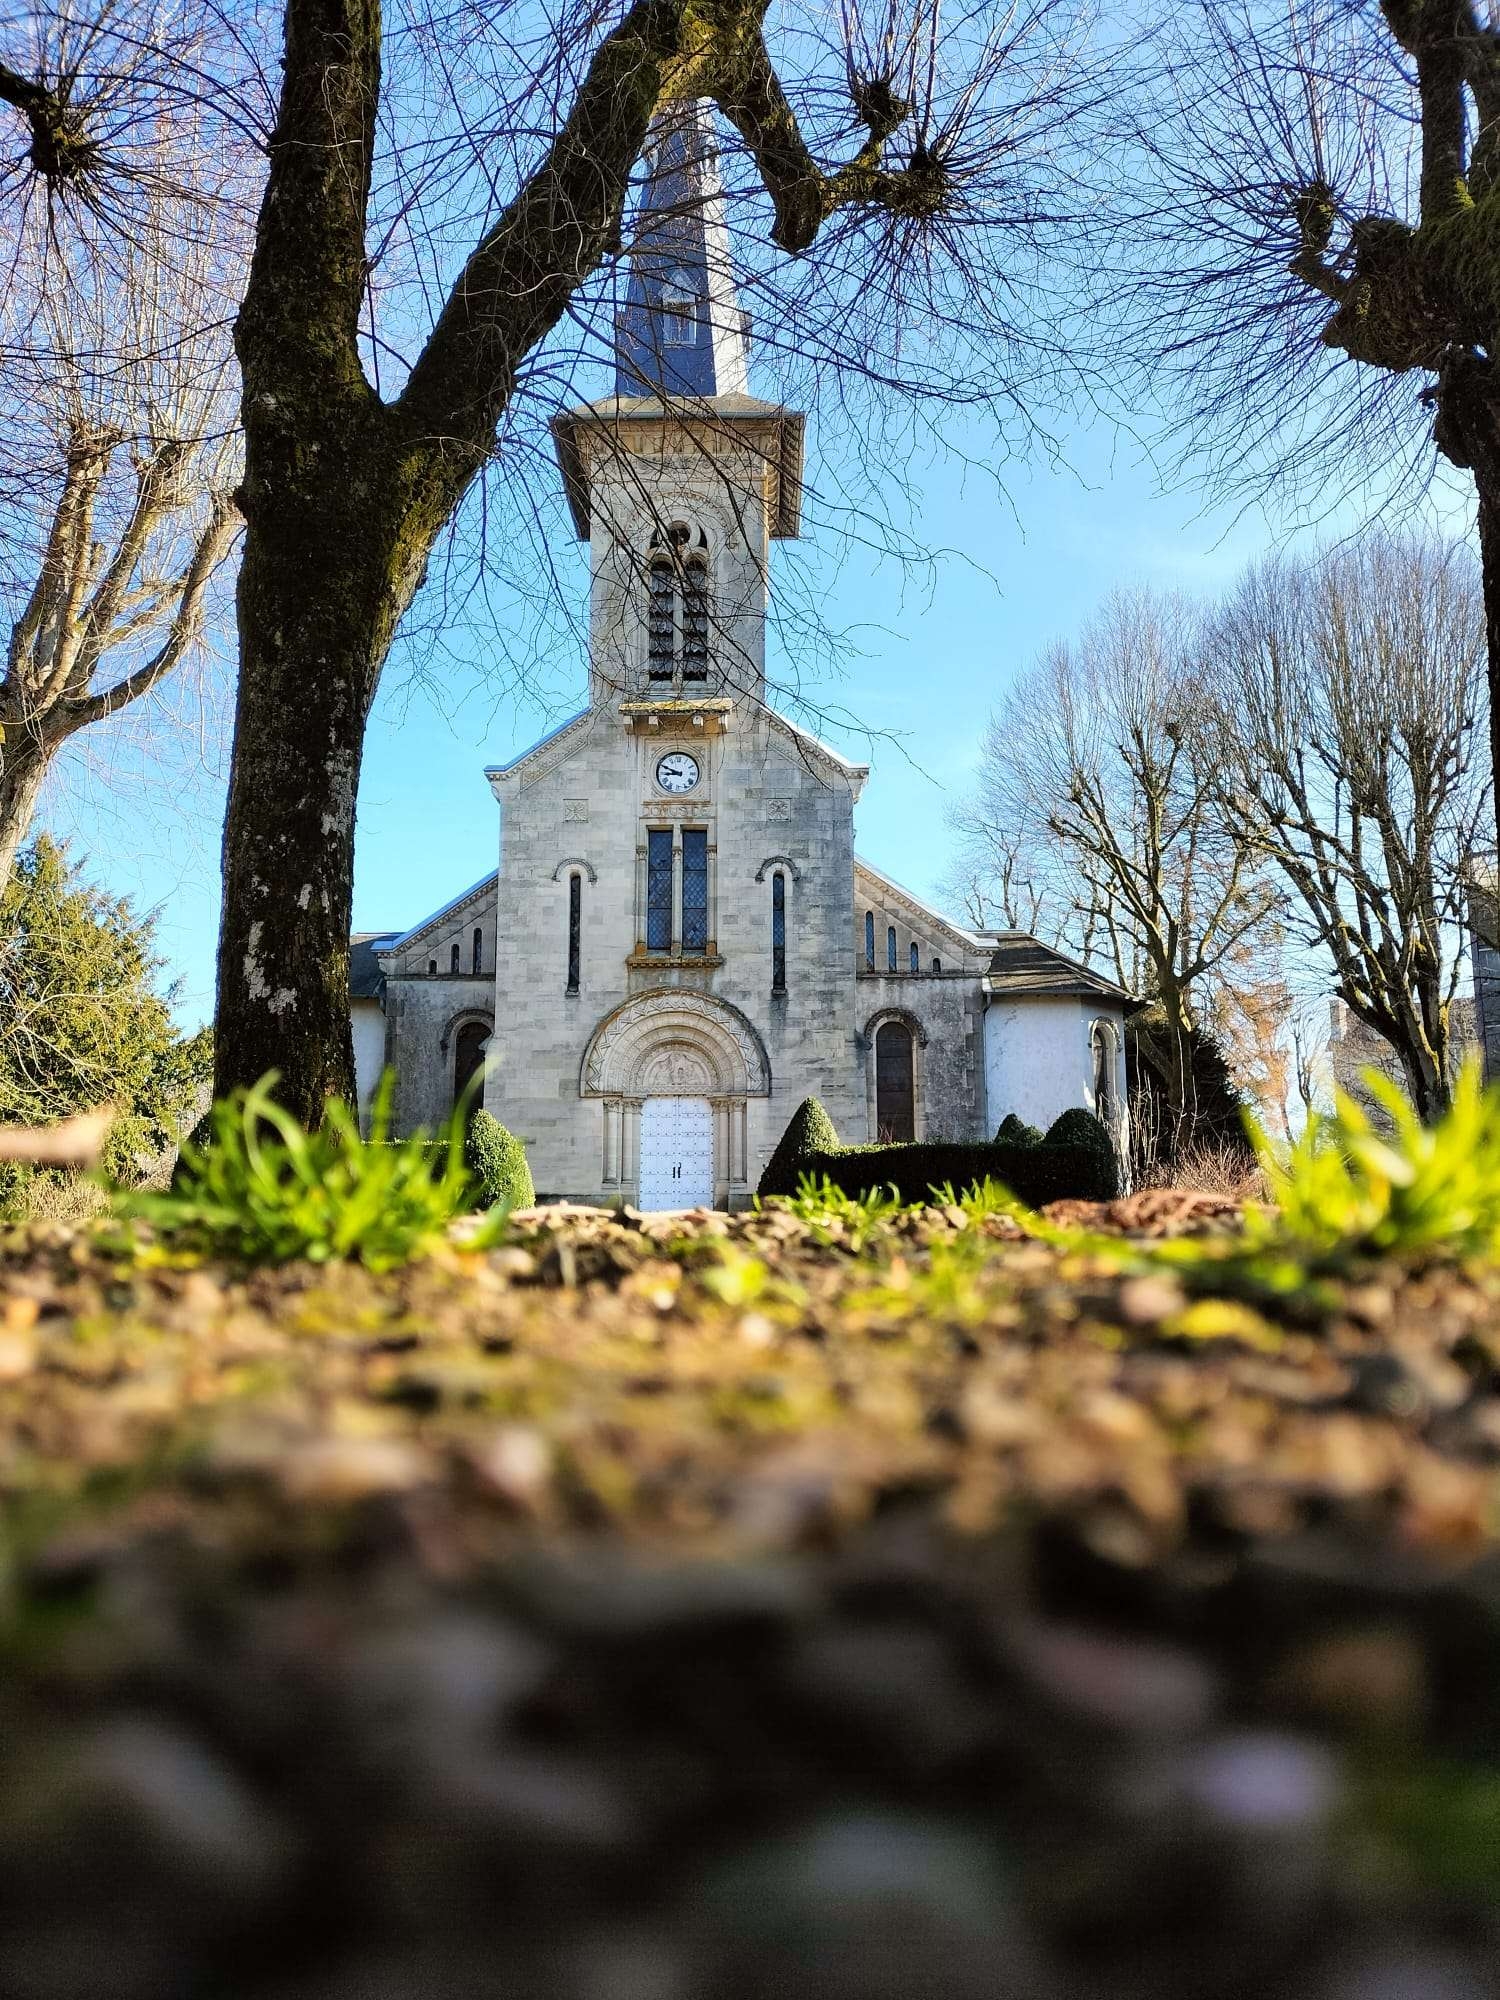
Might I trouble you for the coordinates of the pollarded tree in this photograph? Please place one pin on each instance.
(1318, 185)
(1347, 695)
(909, 165)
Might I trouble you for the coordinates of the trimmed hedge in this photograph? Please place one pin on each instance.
(1033, 1174)
(497, 1160)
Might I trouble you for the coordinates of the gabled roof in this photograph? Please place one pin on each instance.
(435, 921)
(1022, 964)
(965, 940)
(494, 771)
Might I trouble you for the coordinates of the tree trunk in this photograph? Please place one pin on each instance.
(1489, 558)
(335, 544)
(23, 766)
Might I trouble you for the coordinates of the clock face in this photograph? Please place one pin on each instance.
(677, 772)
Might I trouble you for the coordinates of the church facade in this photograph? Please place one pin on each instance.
(679, 942)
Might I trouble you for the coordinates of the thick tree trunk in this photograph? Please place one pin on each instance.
(325, 578)
(22, 770)
(1489, 557)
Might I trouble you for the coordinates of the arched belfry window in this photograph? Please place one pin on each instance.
(679, 310)
(679, 606)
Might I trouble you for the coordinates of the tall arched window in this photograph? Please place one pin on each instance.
(937, 965)
(453, 957)
(890, 949)
(895, 1085)
(478, 949)
(468, 1055)
(575, 929)
(870, 939)
(778, 932)
(432, 968)
(916, 959)
(679, 606)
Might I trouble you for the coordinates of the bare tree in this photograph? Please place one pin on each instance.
(1348, 695)
(1097, 766)
(1316, 186)
(118, 455)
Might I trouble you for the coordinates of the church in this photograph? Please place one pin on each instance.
(679, 942)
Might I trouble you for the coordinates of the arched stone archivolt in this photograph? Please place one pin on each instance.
(902, 1018)
(456, 1021)
(668, 1043)
(901, 1014)
(574, 861)
(778, 861)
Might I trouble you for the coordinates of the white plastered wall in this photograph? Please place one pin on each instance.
(1037, 1059)
(369, 1052)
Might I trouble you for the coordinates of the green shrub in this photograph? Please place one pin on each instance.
(1033, 1174)
(497, 1160)
(1015, 1132)
(810, 1131)
(1082, 1128)
(266, 1191)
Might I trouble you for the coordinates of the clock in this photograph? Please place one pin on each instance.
(677, 772)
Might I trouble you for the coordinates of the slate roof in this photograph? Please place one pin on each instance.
(1021, 963)
(366, 980)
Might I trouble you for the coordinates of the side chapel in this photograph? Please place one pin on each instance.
(679, 943)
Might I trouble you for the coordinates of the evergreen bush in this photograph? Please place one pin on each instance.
(1015, 1131)
(810, 1131)
(497, 1160)
(1082, 1128)
(1033, 1174)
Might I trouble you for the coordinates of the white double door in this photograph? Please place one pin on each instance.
(677, 1153)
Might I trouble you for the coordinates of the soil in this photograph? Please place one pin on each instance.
(693, 1607)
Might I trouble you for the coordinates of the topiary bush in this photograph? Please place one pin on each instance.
(1015, 1131)
(810, 1131)
(1083, 1129)
(497, 1160)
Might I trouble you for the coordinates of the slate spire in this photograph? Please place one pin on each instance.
(681, 331)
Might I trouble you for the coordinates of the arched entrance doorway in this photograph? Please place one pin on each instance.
(674, 1071)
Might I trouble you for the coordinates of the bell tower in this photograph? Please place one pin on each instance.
(681, 479)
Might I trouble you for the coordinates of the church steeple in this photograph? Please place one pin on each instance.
(681, 331)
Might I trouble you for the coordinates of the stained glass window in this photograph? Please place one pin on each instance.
(916, 963)
(694, 888)
(895, 1098)
(575, 924)
(659, 889)
(870, 939)
(453, 959)
(778, 932)
(478, 950)
(890, 949)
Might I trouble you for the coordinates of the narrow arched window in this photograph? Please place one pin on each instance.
(895, 1088)
(453, 957)
(575, 928)
(662, 638)
(937, 965)
(478, 949)
(1102, 1042)
(778, 932)
(432, 968)
(695, 619)
(870, 939)
(890, 949)
(916, 959)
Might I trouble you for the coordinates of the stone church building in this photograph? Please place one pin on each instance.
(679, 943)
